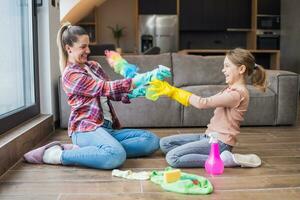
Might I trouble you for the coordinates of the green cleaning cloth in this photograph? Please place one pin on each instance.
(187, 184)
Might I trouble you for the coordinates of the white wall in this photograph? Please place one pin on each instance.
(48, 25)
(75, 10)
(123, 13)
(66, 6)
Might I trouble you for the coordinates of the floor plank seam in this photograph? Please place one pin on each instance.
(103, 193)
(72, 181)
(259, 189)
(141, 185)
(125, 180)
(253, 176)
(83, 170)
(163, 191)
(280, 156)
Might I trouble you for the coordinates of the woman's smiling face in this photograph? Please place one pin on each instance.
(80, 50)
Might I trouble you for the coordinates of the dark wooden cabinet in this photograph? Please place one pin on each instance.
(190, 15)
(214, 15)
(202, 15)
(239, 14)
(226, 24)
(268, 7)
(159, 7)
(212, 39)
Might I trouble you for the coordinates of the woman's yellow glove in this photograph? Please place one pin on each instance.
(158, 88)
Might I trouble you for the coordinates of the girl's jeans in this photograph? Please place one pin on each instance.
(106, 148)
(188, 150)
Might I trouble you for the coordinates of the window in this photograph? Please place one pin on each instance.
(19, 92)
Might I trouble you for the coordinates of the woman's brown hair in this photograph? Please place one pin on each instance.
(67, 35)
(240, 57)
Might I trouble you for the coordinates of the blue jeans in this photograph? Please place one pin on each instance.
(188, 150)
(107, 148)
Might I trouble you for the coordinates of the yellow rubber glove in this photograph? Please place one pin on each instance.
(158, 88)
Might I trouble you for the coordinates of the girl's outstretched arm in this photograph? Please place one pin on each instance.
(223, 99)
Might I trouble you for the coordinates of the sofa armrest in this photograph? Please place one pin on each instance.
(285, 85)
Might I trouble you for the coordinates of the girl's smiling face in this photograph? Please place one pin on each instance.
(232, 72)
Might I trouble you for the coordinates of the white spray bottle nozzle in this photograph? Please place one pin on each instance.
(213, 138)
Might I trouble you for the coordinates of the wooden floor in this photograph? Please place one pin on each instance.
(277, 178)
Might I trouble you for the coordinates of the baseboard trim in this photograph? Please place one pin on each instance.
(19, 140)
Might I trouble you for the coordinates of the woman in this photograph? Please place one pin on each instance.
(93, 125)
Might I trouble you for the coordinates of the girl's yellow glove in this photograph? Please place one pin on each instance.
(158, 88)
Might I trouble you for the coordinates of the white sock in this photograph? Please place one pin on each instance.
(240, 160)
(52, 155)
(228, 159)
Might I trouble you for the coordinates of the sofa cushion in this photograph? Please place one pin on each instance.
(145, 113)
(262, 107)
(261, 110)
(197, 70)
(144, 62)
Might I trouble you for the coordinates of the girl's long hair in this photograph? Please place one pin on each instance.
(257, 73)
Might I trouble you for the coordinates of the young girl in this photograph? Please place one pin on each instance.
(192, 150)
(93, 124)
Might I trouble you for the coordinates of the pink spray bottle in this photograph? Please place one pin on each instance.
(214, 164)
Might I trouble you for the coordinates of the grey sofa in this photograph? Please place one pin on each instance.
(200, 75)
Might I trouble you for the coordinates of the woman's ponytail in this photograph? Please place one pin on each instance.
(63, 55)
(259, 79)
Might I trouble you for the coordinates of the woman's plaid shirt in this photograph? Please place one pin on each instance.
(84, 94)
